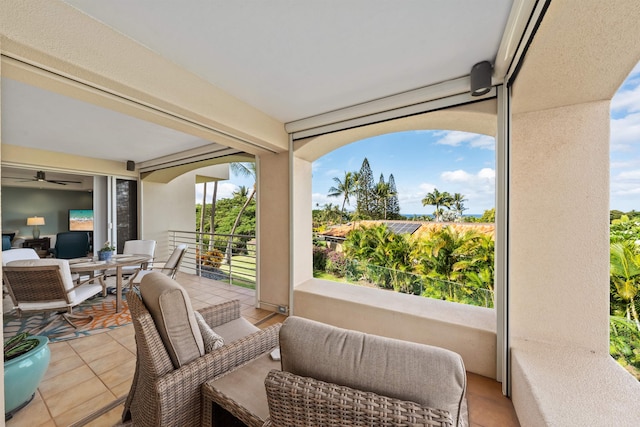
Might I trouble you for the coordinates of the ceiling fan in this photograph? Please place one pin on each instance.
(41, 177)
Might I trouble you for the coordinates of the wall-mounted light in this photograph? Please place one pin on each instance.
(481, 78)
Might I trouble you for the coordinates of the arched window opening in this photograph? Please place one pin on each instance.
(412, 212)
(624, 323)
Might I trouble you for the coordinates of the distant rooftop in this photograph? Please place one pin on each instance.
(339, 232)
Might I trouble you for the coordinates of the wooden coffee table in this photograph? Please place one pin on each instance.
(241, 392)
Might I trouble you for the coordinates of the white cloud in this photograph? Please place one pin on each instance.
(628, 176)
(625, 189)
(625, 131)
(426, 187)
(478, 188)
(321, 199)
(628, 100)
(457, 138)
(624, 165)
(456, 176)
(487, 173)
(225, 190)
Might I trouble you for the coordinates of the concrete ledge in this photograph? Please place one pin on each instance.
(562, 386)
(469, 331)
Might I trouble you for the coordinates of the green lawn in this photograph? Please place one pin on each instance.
(243, 268)
(328, 276)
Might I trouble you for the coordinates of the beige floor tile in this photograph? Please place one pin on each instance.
(123, 332)
(112, 360)
(122, 389)
(61, 383)
(84, 409)
(60, 350)
(73, 397)
(213, 299)
(59, 366)
(102, 351)
(90, 343)
(121, 373)
(35, 413)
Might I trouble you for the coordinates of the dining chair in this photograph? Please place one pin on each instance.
(135, 247)
(169, 267)
(46, 285)
(17, 254)
(71, 244)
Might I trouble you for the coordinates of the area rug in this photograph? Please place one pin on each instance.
(103, 310)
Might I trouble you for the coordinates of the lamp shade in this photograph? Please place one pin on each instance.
(35, 220)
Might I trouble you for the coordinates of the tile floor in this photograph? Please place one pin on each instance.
(87, 374)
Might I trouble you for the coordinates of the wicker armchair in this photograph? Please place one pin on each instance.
(162, 394)
(307, 402)
(333, 377)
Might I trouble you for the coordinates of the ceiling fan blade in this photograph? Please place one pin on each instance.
(24, 179)
(55, 182)
(60, 181)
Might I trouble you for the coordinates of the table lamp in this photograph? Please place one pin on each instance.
(35, 221)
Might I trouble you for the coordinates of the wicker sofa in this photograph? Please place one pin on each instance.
(171, 362)
(332, 376)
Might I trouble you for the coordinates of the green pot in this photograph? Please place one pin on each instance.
(23, 374)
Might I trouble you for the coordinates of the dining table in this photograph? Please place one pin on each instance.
(91, 265)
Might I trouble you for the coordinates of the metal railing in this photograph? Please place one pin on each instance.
(223, 257)
(410, 283)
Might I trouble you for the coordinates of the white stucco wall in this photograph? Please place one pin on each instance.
(559, 224)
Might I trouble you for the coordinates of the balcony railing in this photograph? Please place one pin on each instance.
(222, 257)
(409, 283)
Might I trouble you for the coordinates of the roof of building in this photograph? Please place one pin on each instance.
(414, 228)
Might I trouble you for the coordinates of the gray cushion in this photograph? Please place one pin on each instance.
(235, 329)
(170, 306)
(427, 375)
(211, 340)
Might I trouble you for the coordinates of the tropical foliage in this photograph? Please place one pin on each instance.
(624, 337)
(372, 201)
(450, 263)
(227, 211)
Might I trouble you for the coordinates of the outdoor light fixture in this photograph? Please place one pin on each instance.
(35, 221)
(481, 78)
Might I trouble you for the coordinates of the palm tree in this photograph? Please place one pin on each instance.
(458, 203)
(241, 193)
(345, 188)
(383, 192)
(437, 199)
(625, 276)
(246, 170)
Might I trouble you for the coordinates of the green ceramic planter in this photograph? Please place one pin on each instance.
(23, 374)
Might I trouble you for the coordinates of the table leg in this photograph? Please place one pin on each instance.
(118, 288)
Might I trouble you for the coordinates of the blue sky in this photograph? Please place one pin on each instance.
(460, 162)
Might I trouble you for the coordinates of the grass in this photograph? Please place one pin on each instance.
(243, 271)
(328, 276)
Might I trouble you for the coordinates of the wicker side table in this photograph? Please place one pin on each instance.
(241, 392)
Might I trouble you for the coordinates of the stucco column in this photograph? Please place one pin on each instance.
(273, 230)
(559, 225)
(302, 222)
